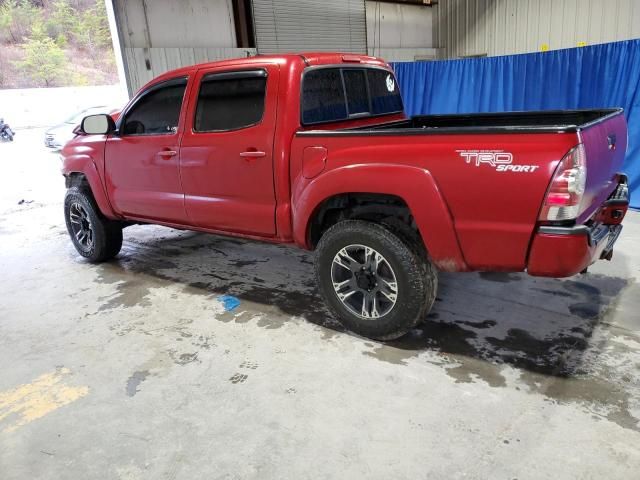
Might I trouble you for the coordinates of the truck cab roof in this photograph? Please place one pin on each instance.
(289, 59)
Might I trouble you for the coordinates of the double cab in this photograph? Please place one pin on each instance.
(315, 150)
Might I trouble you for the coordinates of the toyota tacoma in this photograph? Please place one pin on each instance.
(315, 150)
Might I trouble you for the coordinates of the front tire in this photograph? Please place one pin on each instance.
(95, 238)
(373, 282)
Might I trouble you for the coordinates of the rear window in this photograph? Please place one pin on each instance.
(355, 85)
(385, 97)
(323, 97)
(341, 93)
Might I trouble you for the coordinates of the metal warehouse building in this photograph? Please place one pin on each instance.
(154, 36)
(320, 239)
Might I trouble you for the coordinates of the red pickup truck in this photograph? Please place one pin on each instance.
(315, 150)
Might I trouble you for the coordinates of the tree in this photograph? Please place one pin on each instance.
(6, 21)
(44, 61)
(61, 20)
(91, 29)
(17, 18)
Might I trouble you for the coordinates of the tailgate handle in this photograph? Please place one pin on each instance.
(612, 139)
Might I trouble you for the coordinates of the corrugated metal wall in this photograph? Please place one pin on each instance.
(167, 23)
(400, 33)
(160, 35)
(504, 27)
(311, 25)
(164, 59)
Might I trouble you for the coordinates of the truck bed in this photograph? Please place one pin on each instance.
(551, 121)
(495, 211)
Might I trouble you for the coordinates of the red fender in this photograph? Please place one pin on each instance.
(414, 185)
(81, 158)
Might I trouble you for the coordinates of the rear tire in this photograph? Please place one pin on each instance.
(95, 238)
(375, 284)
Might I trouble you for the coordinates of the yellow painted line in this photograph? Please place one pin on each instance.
(26, 403)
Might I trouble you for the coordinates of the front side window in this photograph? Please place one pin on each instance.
(230, 101)
(340, 93)
(157, 112)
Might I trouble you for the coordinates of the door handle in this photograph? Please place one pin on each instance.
(167, 153)
(253, 154)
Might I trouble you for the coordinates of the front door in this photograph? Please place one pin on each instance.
(142, 160)
(227, 150)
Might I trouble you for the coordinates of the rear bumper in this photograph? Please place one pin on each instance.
(565, 251)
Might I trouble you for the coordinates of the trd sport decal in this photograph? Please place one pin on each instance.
(500, 160)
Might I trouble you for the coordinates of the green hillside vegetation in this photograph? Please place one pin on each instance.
(47, 43)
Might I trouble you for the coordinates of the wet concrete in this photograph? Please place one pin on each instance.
(134, 381)
(481, 356)
(508, 377)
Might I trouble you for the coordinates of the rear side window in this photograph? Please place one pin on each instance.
(230, 101)
(341, 93)
(157, 112)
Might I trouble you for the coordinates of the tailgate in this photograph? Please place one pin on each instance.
(605, 143)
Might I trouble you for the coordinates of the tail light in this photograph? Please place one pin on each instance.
(564, 197)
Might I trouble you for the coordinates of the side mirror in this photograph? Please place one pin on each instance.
(97, 125)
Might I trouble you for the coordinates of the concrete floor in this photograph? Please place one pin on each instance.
(139, 368)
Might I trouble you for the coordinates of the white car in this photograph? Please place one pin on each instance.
(57, 136)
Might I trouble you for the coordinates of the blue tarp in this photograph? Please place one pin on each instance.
(601, 76)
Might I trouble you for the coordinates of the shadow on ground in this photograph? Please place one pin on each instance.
(539, 325)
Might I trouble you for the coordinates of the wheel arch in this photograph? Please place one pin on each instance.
(396, 189)
(369, 206)
(83, 172)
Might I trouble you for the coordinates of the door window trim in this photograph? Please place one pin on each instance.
(184, 80)
(230, 75)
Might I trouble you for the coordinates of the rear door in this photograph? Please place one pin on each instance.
(142, 159)
(227, 150)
